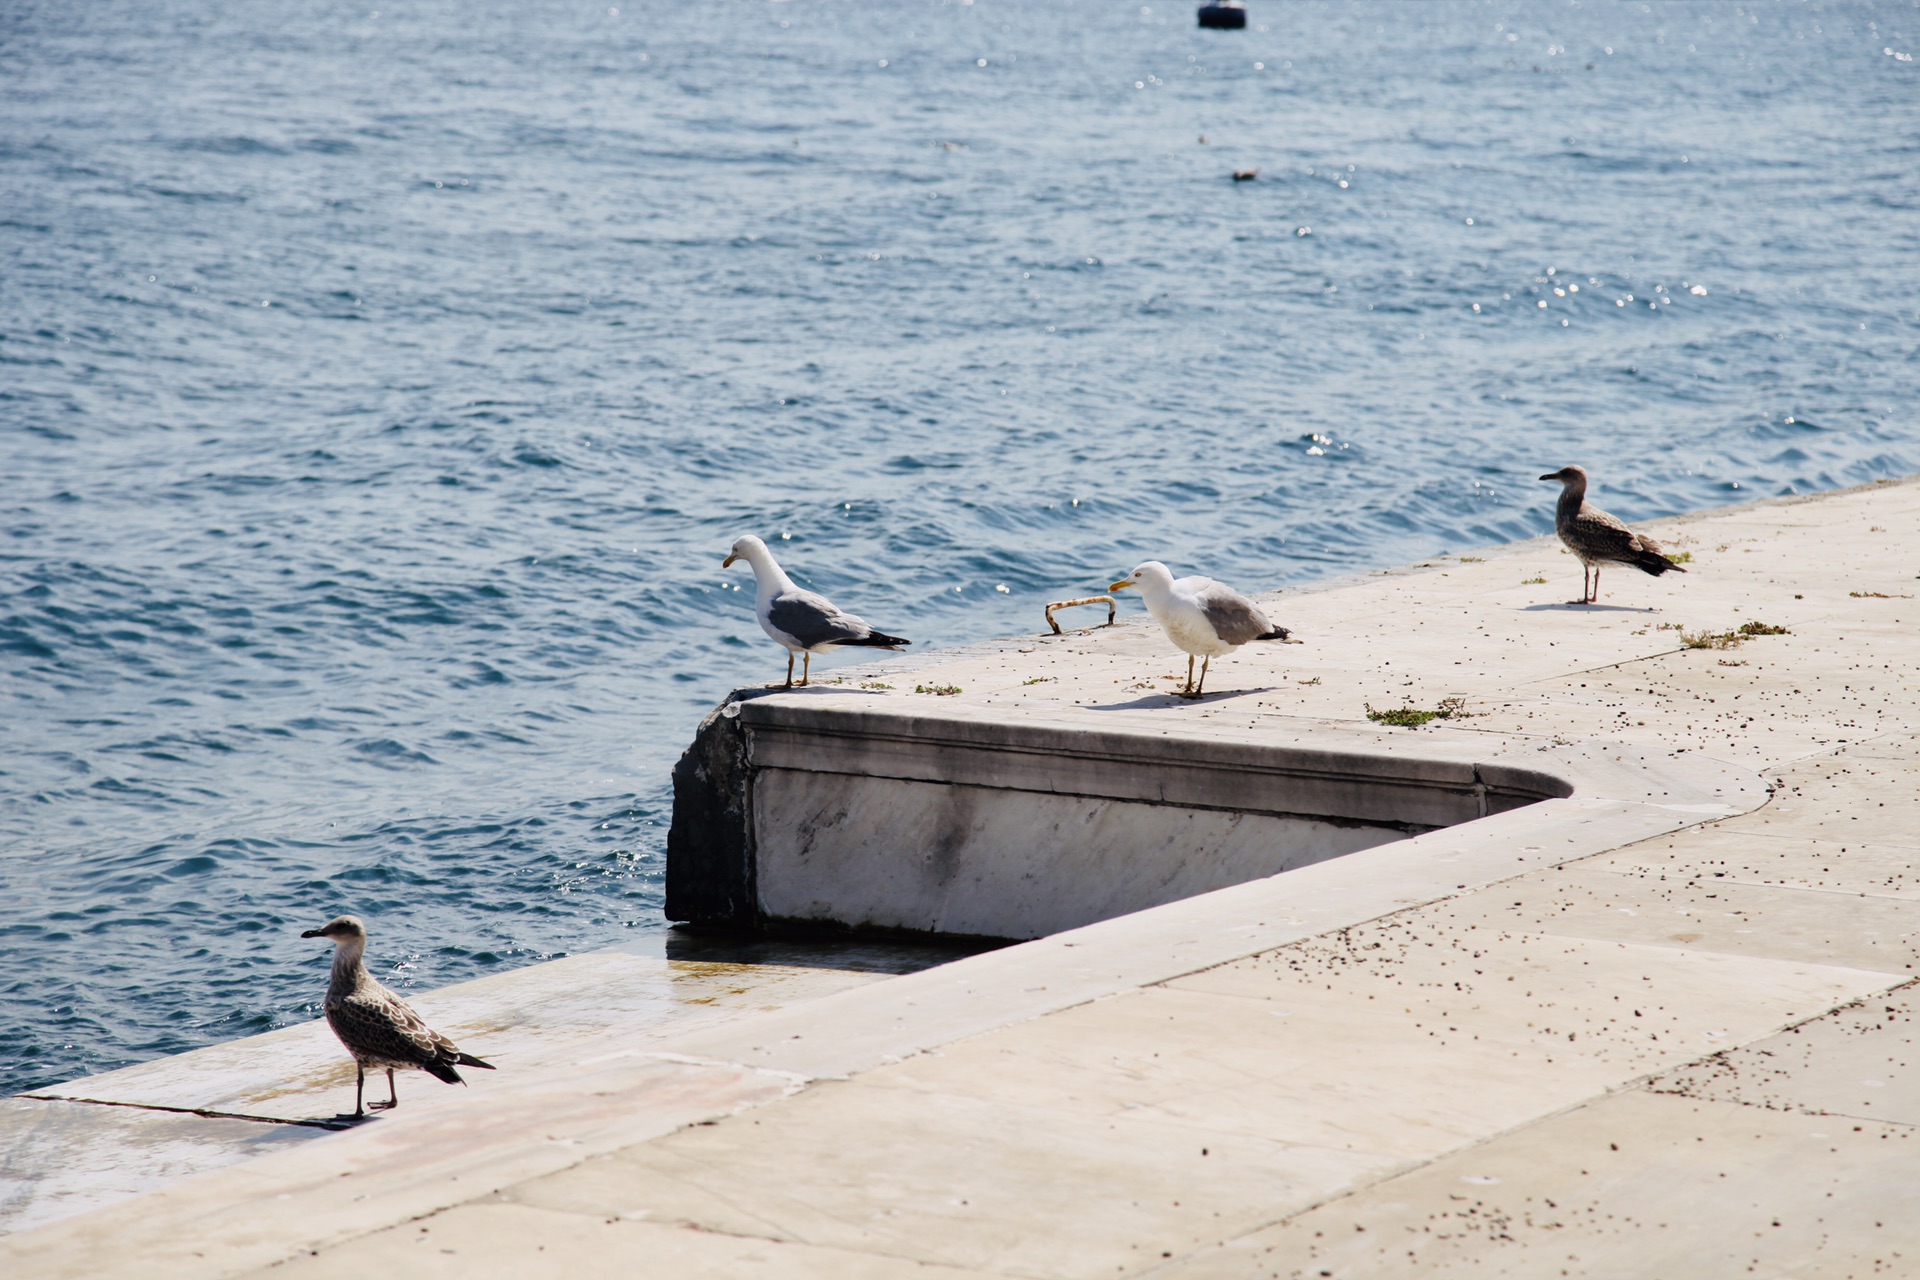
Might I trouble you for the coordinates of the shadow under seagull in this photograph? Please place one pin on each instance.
(1572, 606)
(1178, 700)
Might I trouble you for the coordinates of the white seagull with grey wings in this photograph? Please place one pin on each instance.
(802, 622)
(1205, 618)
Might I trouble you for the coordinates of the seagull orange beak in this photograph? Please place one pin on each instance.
(728, 562)
(1121, 585)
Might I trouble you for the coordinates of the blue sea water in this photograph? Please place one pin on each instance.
(381, 385)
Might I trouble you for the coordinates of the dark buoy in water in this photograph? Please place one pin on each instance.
(1225, 15)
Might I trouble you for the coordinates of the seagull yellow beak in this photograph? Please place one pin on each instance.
(1121, 585)
(728, 562)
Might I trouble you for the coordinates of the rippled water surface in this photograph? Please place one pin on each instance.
(379, 391)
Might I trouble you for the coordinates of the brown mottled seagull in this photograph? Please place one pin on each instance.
(378, 1028)
(1598, 538)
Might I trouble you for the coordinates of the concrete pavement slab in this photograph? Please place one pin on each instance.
(1710, 913)
(1861, 1060)
(961, 1181)
(380, 1173)
(498, 1239)
(1742, 855)
(1629, 1187)
(59, 1158)
(1629, 1008)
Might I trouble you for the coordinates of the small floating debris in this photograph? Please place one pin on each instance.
(1225, 15)
(1245, 175)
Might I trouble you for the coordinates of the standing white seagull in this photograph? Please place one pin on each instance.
(802, 622)
(1201, 616)
(378, 1028)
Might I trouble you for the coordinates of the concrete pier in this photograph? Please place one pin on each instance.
(1652, 1015)
(949, 818)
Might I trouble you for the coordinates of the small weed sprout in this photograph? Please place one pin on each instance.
(1730, 639)
(937, 690)
(1036, 680)
(1410, 717)
(1709, 639)
(1533, 582)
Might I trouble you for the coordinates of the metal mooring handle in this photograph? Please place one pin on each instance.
(1068, 604)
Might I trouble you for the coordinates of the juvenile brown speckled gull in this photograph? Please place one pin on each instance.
(378, 1028)
(1598, 538)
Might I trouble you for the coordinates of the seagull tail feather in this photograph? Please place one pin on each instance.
(877, 640)
(441, 1069)
(1278, 633)
(468, 1060)
(1650, 561)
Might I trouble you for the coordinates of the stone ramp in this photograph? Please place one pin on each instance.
(73, 1147)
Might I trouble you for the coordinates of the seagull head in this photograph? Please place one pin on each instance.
(1567, 475)
(746, 547)
(340, 929)
(1148, 576)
